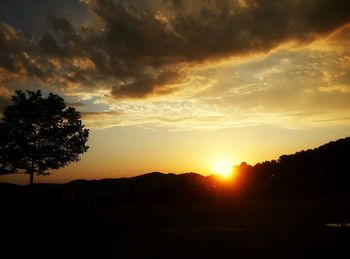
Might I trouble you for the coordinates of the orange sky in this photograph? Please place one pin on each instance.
(175, 86)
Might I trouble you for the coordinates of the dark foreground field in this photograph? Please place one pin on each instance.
(216, 228)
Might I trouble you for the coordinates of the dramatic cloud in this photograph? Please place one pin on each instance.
(137, 48)
(165, 34)
(295, 88)
(208, 63)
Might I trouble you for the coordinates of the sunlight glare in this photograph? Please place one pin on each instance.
(223, 168)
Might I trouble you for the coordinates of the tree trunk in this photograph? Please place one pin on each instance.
(31, 181)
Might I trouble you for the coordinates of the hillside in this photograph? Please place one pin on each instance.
(155, 186)
(320, 171)
(323, 170)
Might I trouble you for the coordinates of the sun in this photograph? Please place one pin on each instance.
(223, 168)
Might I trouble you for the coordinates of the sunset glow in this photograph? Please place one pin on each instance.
(223, 168)
(163, 87)
(174, 128)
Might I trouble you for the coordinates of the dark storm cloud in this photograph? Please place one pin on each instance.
(145, 85)
(60, 40)
(30, 16)
(141, 46)
(32, 58)
(198, 30)
(59, 24)
(18, 56)
(11, 47)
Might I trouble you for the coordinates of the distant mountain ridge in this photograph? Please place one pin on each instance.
(324, 170)
(153, 185)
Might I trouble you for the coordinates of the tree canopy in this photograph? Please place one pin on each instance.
(39, 134)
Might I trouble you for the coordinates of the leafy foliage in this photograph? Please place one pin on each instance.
(38, 134)
(321, 170)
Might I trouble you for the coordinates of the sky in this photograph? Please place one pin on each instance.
(175, 85)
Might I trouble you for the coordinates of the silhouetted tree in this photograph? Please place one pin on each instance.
(38, 134)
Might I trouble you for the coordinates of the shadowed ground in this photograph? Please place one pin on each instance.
(216, 228)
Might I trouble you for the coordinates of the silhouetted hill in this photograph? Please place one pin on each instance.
(324, 170)
(321, 171)
(160, 215)
(155, 186)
